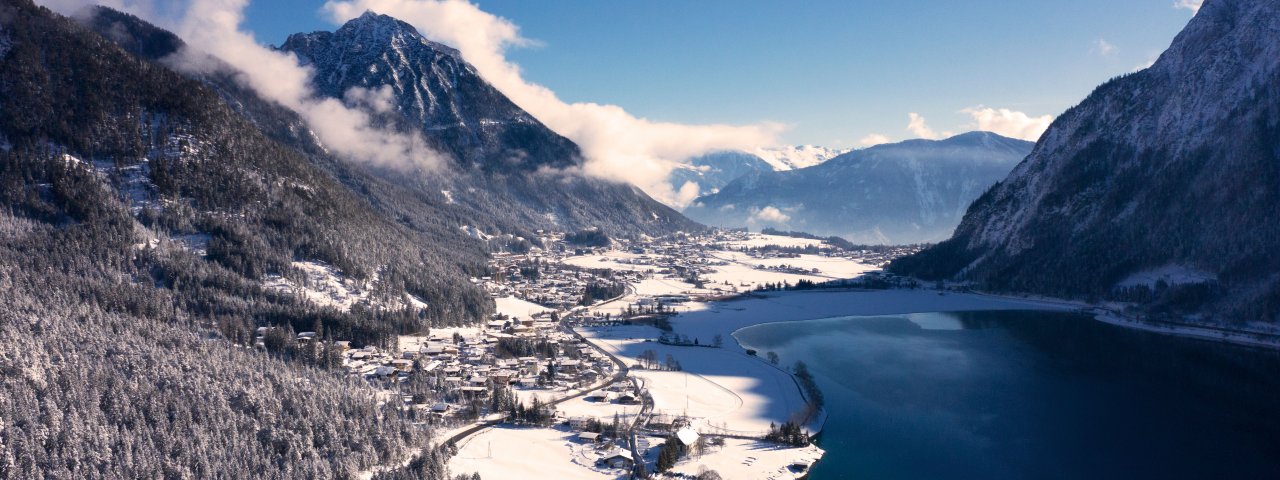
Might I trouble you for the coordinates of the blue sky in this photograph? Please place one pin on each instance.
(834, 71)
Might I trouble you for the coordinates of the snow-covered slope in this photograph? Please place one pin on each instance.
(1174, 165)
(909, 192)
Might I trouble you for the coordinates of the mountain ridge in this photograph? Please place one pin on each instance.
(908, 192)
(507, 165)
(1173, 167)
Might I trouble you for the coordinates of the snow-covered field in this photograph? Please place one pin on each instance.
(749, 459)
(516, 308)
(742, 271)
(600, 410)
(756, 240)
(721, 389)
(609, 260)
(517, 453)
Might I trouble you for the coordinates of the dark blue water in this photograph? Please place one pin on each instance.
(1012, 395)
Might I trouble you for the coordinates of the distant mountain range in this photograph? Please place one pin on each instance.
(713, 171)
(909, 192)
(1160, 188)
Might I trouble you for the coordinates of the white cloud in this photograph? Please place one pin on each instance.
(687, 193)
(873, 139)
(917, 126)
(617, 145)
(213, 28)
(1009, 123)
(1193, 5)
(768, 215)
(1103, 47)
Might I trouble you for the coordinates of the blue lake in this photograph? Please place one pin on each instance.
(1012, 395)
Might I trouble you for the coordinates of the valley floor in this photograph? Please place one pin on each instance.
(721, 391)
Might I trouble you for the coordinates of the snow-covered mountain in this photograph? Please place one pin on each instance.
(713, 171)
(1175, 168)
(427, 86)
(908, 192)
(507, 164)
(792, 157)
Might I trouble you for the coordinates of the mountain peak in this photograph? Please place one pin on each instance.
(432, 90)
(373, 28)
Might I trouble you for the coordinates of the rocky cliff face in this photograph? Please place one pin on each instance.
(510, 171)
(426, 86)
(1163, 186)
(909, 192)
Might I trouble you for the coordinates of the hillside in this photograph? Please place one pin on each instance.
(1161, 188)
(148, 232)
(909, 192)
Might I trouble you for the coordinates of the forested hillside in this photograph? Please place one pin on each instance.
(142, 216)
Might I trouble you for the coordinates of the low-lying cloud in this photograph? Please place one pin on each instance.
(1010, 123)
(1003, 121)
(768, 215)
(917, 126)
(1193, 5)
(212, 30)
(618, 146)
(872, 140)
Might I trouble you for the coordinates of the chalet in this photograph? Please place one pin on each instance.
(589, 437)
(474, 392)
(569, 365)
(432, 349)
(402, 365)
(502, 377)
(687, 436)
(662, 421)
(579, 423)
(617, 458)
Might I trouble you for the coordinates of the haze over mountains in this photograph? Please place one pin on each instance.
(1161, 187)
(909, 192)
